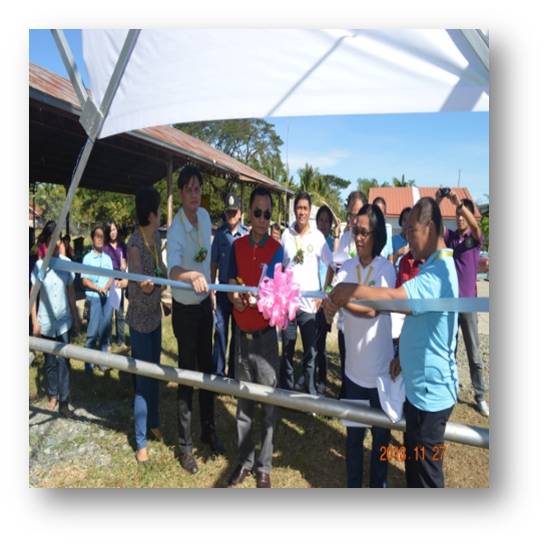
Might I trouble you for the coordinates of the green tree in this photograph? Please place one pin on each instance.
(402, 182)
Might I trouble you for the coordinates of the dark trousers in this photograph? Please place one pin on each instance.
(257, 360)
(341, 347)
(221, 331)
(119, 315)
(424, 441)
(147, 347)
(99, 325)
(57, 371)
(306, 323)
(468, 322)
(192, 326)
(354, 451)
(323, 327)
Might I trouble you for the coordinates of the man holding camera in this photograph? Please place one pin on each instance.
(466, 243)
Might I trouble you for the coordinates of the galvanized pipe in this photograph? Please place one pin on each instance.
(456, 432)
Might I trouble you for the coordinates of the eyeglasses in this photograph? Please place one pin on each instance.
(358, 231)
(258, 213)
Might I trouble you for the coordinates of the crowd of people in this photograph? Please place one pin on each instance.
(225, 333)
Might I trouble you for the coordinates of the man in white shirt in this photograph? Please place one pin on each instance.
(188, 260)
(304, 247)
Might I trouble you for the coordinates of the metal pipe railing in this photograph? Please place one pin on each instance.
(456, 432)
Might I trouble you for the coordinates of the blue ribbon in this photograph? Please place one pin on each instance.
(461, 304)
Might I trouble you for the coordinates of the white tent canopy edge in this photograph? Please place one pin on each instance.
(200, 74)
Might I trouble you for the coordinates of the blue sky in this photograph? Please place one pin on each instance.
(429, 148)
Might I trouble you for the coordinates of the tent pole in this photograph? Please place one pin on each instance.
(101, 115)
(169, 191)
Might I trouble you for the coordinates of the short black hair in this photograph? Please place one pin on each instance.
(95, 229)
(467, 203)
(325, 208)
(187, 173)
(381, 200)
(428, 210)
(47, 232)
(147, 200)
(405, 211)
(377, 226)
(260, 191)
(357, 195)
(301, 195)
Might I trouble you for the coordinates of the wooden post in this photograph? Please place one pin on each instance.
(169, 191)
(242, 202)
(68, 213)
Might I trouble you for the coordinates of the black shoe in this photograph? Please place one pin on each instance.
(213, 441)
(187, 461)
(263, 480)
(238, 476)
(64, 410)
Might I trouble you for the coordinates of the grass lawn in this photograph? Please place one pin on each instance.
(96, 449)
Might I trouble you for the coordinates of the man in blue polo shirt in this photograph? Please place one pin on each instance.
(230, 231)
(427, 344)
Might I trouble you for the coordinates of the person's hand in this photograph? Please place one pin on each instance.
(394, 369)
(102, 291)
(318, 304)
(329, 309)
(36, 331)
(342, 294)
(454, 198)
(238, 303)
(147, 286)
(199, 283)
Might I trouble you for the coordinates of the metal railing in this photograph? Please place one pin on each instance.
(456, 432)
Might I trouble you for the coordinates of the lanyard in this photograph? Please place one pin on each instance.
(359, 274)
(152, 253)
(191, 233)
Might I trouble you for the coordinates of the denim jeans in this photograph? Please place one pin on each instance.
(306, 322)
(57, 371)
(354, 452)
(221, 329)
(147, 347)
(99, 325)
(468, 322)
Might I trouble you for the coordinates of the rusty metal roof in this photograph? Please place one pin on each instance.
(120, 163)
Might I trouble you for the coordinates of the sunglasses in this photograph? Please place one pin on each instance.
(258, 213)
(362, 232)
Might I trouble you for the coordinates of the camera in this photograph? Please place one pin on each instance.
(443, 192)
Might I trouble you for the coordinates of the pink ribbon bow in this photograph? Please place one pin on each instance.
(278, 297)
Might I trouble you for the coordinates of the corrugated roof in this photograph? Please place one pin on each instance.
(57, 92)
(397, 198)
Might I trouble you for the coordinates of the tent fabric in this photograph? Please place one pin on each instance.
(198, 74)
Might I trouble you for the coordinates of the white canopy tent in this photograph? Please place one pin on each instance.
(194, 75)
